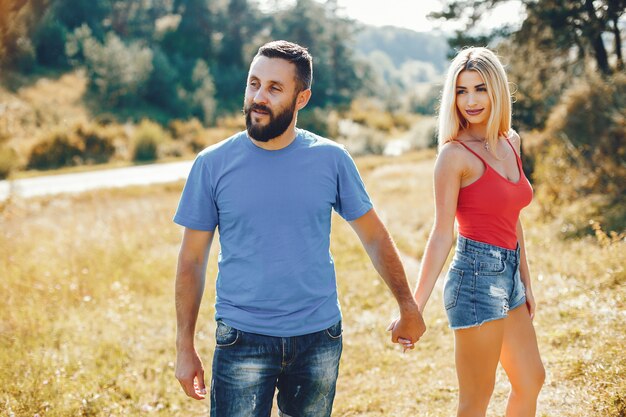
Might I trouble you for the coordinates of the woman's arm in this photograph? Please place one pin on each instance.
(524, 271)
(449, 170)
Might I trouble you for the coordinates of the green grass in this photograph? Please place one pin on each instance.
(87, 321)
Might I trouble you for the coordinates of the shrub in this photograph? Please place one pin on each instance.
(98, 146)
(582, 157)
(190, 132)
(7, 161)
(319, 121)
(182, 130)
(56, 150)
(147, 138)
(372, 114)
(82, 144)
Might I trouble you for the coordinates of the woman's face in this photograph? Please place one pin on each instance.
(472, 99)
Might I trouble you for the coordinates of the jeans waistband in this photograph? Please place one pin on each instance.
(464, 244)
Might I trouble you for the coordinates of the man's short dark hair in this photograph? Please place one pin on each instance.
(294, 53)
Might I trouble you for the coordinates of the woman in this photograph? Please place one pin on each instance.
(487, 293)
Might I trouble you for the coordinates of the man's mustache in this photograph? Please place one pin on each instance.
(259, 107)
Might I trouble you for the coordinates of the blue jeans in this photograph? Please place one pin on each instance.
(483, 284)
(248, 367)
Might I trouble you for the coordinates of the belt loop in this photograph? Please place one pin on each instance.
(462, 243)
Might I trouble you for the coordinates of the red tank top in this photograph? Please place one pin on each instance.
(488, 209)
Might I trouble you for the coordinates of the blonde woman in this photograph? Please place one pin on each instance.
(487, 294)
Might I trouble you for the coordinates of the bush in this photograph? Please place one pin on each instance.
(83, 144)
(371, 114)
(319, 121)
(57, 150)
(190, 132)
(7, 161)
(147, 138)
(582, 156)
(98, 146)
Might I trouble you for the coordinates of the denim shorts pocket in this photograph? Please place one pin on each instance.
(452, 287)
(334, 332)
(225, 335)
(462, 258)
(488, 265)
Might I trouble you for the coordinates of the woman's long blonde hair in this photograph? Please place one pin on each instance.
(487, 64)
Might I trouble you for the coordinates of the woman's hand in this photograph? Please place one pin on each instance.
(530, 302)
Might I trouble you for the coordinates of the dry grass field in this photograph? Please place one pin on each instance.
(87, 315)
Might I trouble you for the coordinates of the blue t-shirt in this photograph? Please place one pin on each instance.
(273, 210)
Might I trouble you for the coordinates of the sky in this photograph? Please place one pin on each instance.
(412, 14)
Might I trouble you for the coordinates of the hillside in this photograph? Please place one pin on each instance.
(404, 45)
(403, 56)
(35, 104)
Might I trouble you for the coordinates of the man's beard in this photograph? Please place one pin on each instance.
(276, 126)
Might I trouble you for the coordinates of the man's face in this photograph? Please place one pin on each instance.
(270, 99)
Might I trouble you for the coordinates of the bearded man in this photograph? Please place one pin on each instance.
(270, 190)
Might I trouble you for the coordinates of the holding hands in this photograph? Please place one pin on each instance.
(408, 328)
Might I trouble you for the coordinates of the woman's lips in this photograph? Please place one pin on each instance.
(474, 112)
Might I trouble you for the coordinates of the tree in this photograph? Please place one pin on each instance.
(75, 13)
(49, 40)
(578, 24)
(161, 89)
(193, 38)
(240, 21)
(117, 72)
(328, 37)
(17, 21)
(203, 95)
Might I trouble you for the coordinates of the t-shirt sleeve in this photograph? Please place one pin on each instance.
(352, 200)
(197, 208)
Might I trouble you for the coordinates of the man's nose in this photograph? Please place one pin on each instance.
(260, 97)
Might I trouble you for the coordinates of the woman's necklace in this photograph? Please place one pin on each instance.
(483, 141)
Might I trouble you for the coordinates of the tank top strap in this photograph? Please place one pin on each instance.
(517, 157)
(512, 147)
(477, 156)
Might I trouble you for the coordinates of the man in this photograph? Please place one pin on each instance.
(271, 190)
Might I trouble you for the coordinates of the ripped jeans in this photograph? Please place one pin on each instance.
(248, 368)
(483, 284)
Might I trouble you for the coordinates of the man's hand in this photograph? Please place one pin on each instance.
(190, 373)
(408, 328)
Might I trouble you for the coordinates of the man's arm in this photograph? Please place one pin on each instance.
(192, 261)
(384, 255)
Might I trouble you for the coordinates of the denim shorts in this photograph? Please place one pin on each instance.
(483, 284)
(248, 368)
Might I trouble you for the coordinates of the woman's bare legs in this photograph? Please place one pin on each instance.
(477, 352)
(521, 360)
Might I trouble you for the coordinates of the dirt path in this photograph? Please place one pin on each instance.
(84, 181)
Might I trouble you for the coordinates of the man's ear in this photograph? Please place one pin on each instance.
(303, 99)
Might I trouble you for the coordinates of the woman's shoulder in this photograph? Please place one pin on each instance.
(515, 140)
(452, 154)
